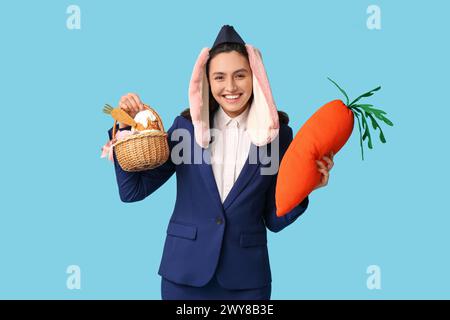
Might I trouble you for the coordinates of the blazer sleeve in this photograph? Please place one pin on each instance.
(135, 186)
(272, 221)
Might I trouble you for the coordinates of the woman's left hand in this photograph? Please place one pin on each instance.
(325, 170)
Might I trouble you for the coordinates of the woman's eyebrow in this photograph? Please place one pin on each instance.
(240, 70)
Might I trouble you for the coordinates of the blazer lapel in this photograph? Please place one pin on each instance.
(247, 173)
(208, 177)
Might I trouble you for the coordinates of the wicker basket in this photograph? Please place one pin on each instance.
(142, 151)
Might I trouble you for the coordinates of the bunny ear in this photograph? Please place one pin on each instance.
(199, 99)
(263, 124)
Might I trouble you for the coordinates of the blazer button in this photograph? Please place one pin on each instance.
(219, 220)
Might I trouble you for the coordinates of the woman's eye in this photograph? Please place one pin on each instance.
(218, 78)
(240, 76)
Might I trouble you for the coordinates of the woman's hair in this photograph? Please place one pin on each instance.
(213, 104)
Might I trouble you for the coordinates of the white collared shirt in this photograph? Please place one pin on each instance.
(229, 150)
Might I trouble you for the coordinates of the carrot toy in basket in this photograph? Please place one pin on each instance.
(144, 147)
(327, 130)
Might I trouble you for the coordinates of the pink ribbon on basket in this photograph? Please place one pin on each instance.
(107, 149)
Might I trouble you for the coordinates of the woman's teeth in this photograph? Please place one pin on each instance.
(232, 98)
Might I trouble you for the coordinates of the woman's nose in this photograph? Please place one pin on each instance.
(231, 86)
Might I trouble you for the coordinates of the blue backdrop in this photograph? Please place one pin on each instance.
(60, 203)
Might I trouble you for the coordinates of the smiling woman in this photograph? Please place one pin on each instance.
(231, 73)
(216, 242)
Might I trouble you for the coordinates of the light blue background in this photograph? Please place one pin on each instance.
(60, 203)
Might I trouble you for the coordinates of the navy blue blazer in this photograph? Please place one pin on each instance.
(204, 236)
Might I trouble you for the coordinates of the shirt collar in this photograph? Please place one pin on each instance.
(222, 120)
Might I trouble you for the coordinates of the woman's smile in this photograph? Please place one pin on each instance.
(232, 98)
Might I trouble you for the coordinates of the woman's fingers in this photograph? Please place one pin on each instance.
(133, 103)
(124, 100)
(325, 176)
(135, 97)
(325, 170)
(320, 164)
(133, 110)
(329, 161)
(135, 100)
(126, 106)
(324, 179)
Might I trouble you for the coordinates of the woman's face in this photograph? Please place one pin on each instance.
(230, 78)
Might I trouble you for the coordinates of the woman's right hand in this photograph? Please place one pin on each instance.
(131, 104)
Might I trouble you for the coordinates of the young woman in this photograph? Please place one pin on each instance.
(216, 244)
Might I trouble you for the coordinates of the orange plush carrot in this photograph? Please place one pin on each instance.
(119, 115)
(327, 130)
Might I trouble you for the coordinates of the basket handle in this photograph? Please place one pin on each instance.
(158, 120)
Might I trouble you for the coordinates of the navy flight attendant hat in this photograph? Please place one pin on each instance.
(227, 34)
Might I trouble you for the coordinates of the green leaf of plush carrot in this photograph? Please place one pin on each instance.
(384, 119)
(369, 108)
(360, 136)
(365, 95)
(367, 134)
(342, 90)
(376, 125)
(379, 114)
(363, 122)
(366, 127)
